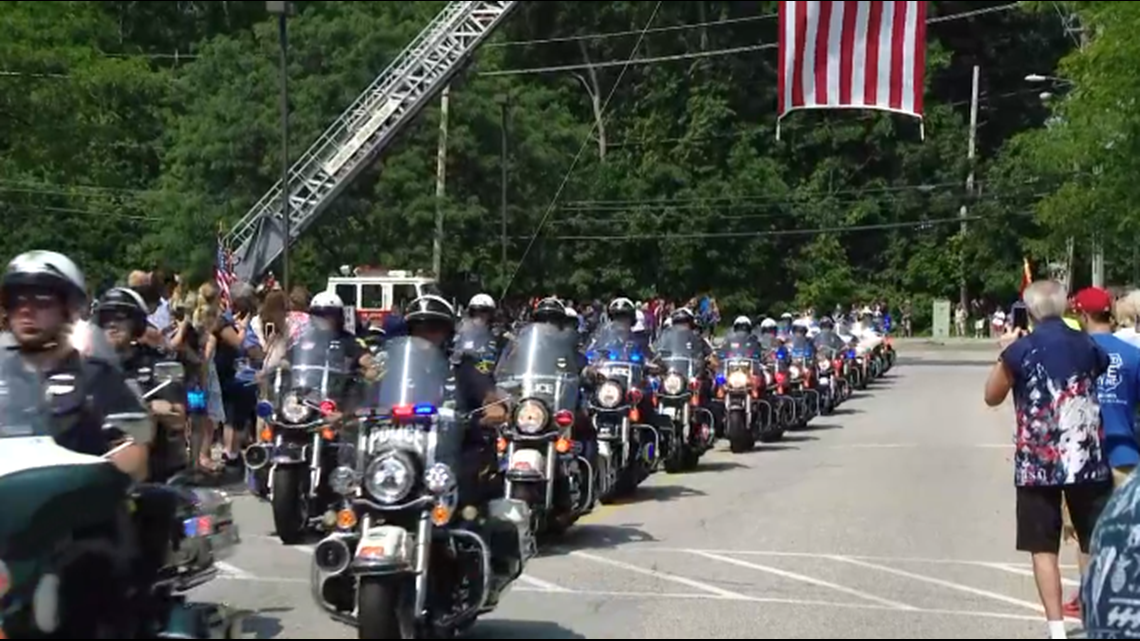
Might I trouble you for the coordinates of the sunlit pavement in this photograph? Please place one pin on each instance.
(892, 519)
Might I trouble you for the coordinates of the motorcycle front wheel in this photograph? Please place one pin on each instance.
(378, 608)
(740, 438)
(289, 504)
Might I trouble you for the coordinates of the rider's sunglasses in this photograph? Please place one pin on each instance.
(36, 299)
(114, 317)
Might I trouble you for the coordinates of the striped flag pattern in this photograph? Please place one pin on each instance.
(852, 55)
(224, 270)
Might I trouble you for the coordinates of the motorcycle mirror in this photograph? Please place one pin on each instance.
(169, 371)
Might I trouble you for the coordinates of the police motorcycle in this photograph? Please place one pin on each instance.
(407, 560)
(628, 445)
(299, 441)
(739, 385)
(83, 552)
(680, 384)
(545, 466)
(803, 379)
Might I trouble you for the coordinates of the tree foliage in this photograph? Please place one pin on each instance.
(130, 131)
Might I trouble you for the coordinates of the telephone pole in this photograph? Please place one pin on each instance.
(963, 288)
(440, 184)
(1097, 240)
(282, 10)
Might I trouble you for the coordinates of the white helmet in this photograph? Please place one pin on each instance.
(801, 322)
(570, 313)
(50, 270)
(481, 302)
(768, 323)
(326, 300)
(786, 316)
(742, 320)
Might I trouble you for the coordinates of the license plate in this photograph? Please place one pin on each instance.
(616, 372)
(669, 411)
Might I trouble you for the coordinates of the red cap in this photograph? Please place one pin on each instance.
(1092, 300)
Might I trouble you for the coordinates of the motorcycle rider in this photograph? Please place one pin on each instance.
(769, 334)
(96, 409)
(479, 335)
(785, 326)
(122, 315)
(432, 318)
(326, 315)
(799, 340)
(827, 339)
(621, 312)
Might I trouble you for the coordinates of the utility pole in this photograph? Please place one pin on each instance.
(440, 184)
(504, 105)
(963, 289)
(1097, 241)
(282, 10)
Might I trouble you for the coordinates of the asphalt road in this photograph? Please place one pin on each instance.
(892, 519)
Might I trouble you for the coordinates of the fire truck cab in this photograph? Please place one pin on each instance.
(373, 293)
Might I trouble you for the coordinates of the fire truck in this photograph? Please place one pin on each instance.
(371, 293)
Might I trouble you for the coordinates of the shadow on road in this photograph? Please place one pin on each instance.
(817, 427)
(716, 466)
(258, 625)
(846, 411)
(595, 536)
(657, 494)
(509, 629)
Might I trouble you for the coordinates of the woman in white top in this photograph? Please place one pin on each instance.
(1127, 315)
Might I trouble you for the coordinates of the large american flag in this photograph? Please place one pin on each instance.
(853, 55)
(224, 270)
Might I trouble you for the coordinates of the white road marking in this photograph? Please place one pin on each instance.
(643, 549)
(778, 601)
(950, 585)
(805, 579)
(545, 586)
(1013, 569)
(712, 589)
(233, 571)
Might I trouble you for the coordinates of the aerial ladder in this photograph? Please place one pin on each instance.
(369, 125)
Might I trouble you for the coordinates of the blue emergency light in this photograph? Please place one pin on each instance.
(635, 357)
(591, 355)
(720, 379)
(264, 409)
(424, 409)
(196, 399)
(782, 354)
(850, 353)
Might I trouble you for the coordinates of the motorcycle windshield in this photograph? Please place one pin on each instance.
(315, 367)
(615, 348)
(739, 352)
(680, 350)
(414, 375)
(801, 348)
(473, 339)
(23, 403)
(541, 362)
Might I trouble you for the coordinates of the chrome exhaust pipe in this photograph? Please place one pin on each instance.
(256, 456)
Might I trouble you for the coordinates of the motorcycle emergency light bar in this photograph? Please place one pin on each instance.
(328, 406)
(782, 354)
(635, 357)
(591, 355)
(564, 418)
(850, 353)
(264, 409)
(720, 379)
(424, 409)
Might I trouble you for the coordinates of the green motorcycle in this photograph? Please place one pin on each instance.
(83, 552)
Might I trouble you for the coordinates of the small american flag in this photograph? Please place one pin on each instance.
(852, 55)
(224, 270)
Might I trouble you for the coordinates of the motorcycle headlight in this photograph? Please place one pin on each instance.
(737, 380)
(293, 410)
(531, 417)
(389, 477)
(439, 479)
(673, 384)
(793, 372)
(609, 395)
(343, 480)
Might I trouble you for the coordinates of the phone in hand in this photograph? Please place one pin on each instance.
(270, 330)
(1020, 317)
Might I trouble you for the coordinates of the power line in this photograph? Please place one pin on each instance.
(581, 150)
(632, 32)
(778, 232)
(706, 54)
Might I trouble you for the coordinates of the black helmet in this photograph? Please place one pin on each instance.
(549, 310)
(429, 308)
(826, 323)
(683, 315)
(122, 302)
(47, 270)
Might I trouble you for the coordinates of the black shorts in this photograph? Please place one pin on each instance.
(1039, 518)
(241, 407)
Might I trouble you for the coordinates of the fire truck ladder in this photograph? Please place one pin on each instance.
(362, 131)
